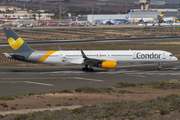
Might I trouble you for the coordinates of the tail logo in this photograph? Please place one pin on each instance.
(127, 17)
(161, 15)
(15, 44)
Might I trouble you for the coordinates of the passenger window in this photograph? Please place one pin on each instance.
(171, 55)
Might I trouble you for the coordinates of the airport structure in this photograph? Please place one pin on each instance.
(135, 14)
(144, 3)
(91, 18)
(27, 15)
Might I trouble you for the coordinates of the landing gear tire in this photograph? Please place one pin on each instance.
(160, 66)
(88, 70)
(83, 69)
(91, 70)
(159, 69)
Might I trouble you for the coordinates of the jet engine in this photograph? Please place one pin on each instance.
(107, 64)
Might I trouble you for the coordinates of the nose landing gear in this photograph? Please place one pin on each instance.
(160, 66)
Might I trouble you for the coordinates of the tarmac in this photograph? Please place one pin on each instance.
(24, 80)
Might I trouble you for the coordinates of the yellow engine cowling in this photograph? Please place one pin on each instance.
(107, 64)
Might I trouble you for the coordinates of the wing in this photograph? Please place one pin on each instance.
(94, 61)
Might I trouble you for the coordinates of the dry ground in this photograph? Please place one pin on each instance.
(24, 104)
(139, 93)
(71, 34)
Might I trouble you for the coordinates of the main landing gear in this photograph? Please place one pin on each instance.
(160, 66)
(87, 69)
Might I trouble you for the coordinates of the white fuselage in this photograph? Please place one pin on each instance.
(175, 24)
(145, 20)
(168, 19)
(120, 56)
(165, 24)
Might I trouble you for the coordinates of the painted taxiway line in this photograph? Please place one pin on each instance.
(63, 72)
(39, 83)
(29, 82)
(87, 79)
(29, 78)
(77, 78)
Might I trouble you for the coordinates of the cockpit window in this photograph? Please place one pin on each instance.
(171, 55)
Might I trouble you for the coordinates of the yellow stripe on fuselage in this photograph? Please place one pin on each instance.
(46, 56)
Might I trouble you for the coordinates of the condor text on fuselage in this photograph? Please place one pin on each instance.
(148, 56)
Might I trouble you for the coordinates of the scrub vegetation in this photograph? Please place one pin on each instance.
(162, 99)
(100, 33)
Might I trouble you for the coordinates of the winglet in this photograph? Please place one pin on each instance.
(59, 48)
(83, 55)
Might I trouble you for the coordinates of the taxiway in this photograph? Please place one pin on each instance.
(24, 80)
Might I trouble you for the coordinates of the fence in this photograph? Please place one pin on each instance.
(8, 61)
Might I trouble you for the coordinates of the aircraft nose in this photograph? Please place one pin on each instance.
(176, 58)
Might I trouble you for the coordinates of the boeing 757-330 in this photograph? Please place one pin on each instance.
(107, 59)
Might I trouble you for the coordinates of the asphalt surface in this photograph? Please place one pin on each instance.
(24, 80)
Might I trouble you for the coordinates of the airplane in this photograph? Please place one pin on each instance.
(107, 59)
(113, 21)
(148, 24)
(28, 25)
(104, 21)
(161, 18)
(168, 19)
(152, 24)
(144, 20)
(166, 24)
(176, 24)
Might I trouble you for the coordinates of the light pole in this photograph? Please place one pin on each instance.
(92, 12)
(177, 10)
(126, 7)
(60, 12)
(24, 9)
(157, 8)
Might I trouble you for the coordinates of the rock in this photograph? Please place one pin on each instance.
(132, 117)
(157, 111)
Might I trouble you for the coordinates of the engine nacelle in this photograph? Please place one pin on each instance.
(107, 65)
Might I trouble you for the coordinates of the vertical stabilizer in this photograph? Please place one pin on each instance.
(127, 16)
(169, 22)
(17, 44)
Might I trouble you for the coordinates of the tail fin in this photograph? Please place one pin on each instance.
(153, 24)
(161, 15)
(16, 43)
(127, 16)
(169, 22)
